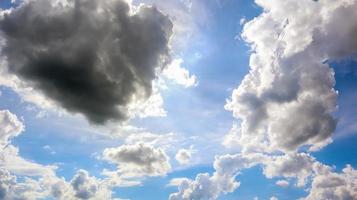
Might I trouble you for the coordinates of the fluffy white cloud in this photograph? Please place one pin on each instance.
(222, 181)
(183, 156)
(39, 181)
(10, 126)
(175, 72)
(287, 99)
(10, 188)
(136, 161)
(299, 165)
(327, 184)
(302, 167)
(87, 187)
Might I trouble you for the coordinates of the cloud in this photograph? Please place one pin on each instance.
(151, 107)
(273, 198)
(288, 98)
(179, 75)
(10, 188)
(286, 102)
(222, 181)
(326, 184)
(39, 181)
(136, 161)
(86, 187)
(282, 183)
(90, 57)
(10, 127)
(133, 135)
(177, 181)
(183, 156)
(331, 185)
(299, 165)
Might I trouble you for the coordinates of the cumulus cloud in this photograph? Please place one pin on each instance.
(10, 188)
(299, 165)
(87, 187)
(39, 181)
(222, 181)
(175, 72)
(136, 161)
(10, 126)
(302, 167)
(183, 156)
(327, 184)
(287, 99)
(90, 57)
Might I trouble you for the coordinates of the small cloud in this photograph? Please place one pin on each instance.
(183, 156)
(176, 73)
(49, 149)
(282, 183)
(242, 21)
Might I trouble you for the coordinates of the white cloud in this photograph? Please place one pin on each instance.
(299, 165)
(232, 139)
(287, 99)
(129, 134)
(183, 156)
(10, 126)
(282, 183)
(222, 181)
(136, 161)
(10, 188)
(151, 107)
(39, 181)
(86, 187)
(175, 72)
(12, 161)
(177, 181)
(327, 184)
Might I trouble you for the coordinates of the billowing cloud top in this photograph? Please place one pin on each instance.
(287, 99)
(91, 57)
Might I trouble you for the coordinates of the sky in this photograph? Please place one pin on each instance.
(178, 100)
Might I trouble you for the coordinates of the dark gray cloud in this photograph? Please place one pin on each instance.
(92, 57)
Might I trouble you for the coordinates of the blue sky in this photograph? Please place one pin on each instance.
(212, 50)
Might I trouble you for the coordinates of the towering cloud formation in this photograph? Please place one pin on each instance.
(91, 57)
(287, 99)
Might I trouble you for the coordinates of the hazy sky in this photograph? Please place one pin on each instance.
(178, 100)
